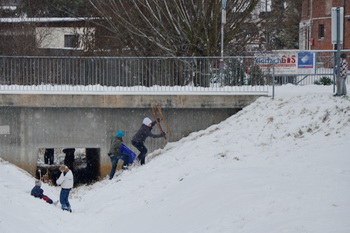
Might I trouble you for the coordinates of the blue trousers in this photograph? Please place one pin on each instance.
(64, 199)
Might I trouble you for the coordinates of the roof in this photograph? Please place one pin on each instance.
(43, 20)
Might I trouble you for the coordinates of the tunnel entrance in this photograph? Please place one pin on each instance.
(84, 163)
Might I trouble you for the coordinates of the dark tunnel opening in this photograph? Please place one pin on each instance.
(84, 163)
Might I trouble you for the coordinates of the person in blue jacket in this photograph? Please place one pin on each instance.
(119, 160)
(38, 192)
(139, 138)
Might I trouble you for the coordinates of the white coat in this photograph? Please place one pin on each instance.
(66, 181)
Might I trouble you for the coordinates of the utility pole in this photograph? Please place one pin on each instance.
(266, 29)
(337, 38)
(223, 21)
(338, 49)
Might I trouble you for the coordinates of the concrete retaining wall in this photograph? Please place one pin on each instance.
(31, 122)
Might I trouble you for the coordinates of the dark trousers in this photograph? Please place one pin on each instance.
(48, 159)
(143, 151)
(114, 161)
(49, 156)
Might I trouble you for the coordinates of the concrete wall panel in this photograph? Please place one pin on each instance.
(31, 122)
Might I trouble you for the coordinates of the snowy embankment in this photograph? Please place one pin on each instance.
(277, 166)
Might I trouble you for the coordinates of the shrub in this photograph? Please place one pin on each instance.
(324, 81)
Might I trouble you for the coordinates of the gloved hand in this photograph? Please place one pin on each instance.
(163, 134)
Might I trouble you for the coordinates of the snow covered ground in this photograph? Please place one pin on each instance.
(278, 166)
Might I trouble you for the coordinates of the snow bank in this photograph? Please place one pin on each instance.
(277, 166)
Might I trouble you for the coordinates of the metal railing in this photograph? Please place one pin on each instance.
(128, 74)
(116, 75)
(324, 70)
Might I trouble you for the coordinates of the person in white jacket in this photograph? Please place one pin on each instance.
(66, 182)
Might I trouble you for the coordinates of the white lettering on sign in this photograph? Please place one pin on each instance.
(4, 129)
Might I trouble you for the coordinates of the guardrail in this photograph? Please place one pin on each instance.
(114, 75)
(128, 74)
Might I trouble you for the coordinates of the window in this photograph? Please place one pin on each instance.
(71, 41)
(321, 31)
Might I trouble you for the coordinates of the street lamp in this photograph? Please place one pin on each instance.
(223, 21)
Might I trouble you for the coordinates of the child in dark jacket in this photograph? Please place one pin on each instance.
(139, 138)
(38, 192)
(119, 159)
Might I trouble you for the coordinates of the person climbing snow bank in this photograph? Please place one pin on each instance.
(139, 138)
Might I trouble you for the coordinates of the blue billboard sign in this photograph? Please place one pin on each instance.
(306, 60)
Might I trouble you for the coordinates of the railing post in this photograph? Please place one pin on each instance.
(273, 80)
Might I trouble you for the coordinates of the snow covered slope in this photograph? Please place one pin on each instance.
(278, 166)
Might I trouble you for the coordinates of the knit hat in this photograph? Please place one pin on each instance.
(37, 183)
(147, 121)
(120, 134)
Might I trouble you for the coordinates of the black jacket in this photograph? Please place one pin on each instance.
(145, 132)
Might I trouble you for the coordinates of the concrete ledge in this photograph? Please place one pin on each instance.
(127, 101)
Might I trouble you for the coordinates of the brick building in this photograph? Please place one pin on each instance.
(315, 25)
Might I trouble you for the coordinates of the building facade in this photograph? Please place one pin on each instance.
(315, 25)
(34, 34)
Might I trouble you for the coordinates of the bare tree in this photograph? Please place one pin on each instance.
(283, 24)
(291, 24)
(18, 39)
(55, 8)
(176, 27)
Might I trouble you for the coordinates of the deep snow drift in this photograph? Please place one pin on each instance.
(278, 166)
